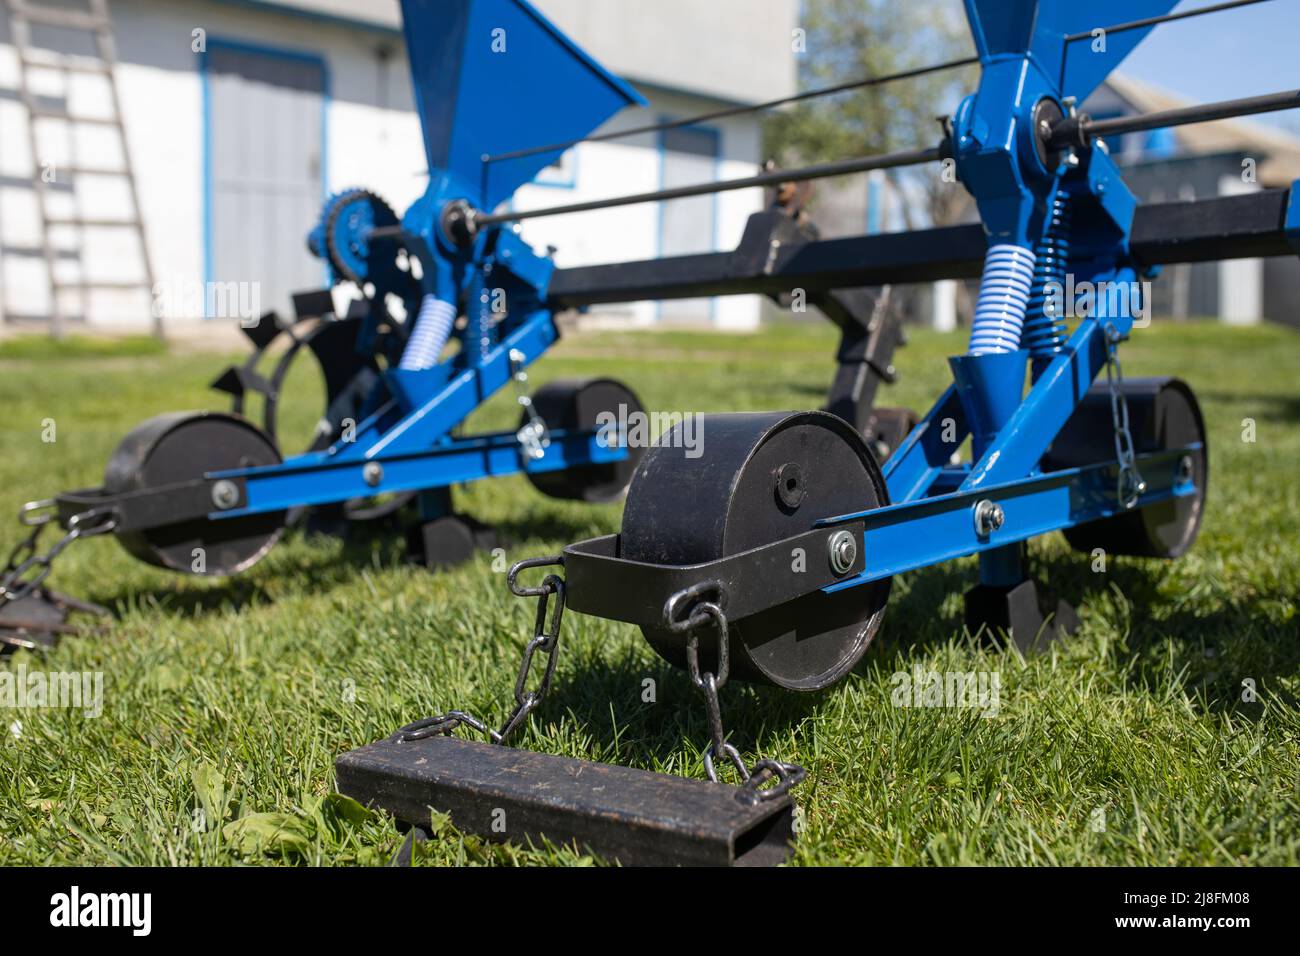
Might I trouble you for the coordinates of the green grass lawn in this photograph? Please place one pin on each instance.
(226, 702)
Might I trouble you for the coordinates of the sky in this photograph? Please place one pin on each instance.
(1219, 56)
(1225, 55)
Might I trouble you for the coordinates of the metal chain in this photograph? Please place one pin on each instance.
(534, 436)
(27, 568)
(701, 612)
(1130, 485)
(546, 639)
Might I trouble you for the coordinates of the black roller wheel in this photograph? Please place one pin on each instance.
(1163, 414)
(183, 446)
(762, 477)
(577, 405)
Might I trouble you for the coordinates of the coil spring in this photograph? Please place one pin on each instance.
(429, 337)
(1004, 296)
(1045, 331)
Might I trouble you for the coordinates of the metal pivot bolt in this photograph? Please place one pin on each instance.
(373, 473)
(1186, 469)
(843, 551)
(989, 517)
(225, 494)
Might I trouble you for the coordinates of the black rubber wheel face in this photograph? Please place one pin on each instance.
(762, 477)
(577, 405)
(1163, 414)
(183, 446)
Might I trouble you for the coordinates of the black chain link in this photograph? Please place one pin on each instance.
(546, 640)
(27, 568)
(1130, 485)
(704, 606)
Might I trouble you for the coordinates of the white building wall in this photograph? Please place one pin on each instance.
(373, 139)
(623, 233)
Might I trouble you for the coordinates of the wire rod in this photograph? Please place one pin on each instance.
(839, 88)
(1168, 17)
(736, 110)
(844, 167)
(1083, 128)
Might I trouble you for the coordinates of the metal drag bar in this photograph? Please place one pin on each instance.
(629, 816)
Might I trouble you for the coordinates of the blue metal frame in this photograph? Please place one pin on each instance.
(930, 518)
(470, 103)
(904, 537)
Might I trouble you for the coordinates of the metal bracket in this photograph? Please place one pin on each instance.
(605, 584)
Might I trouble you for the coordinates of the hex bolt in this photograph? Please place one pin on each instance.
(225, 494)
(843, 551)
(1186, 469)
(989, 517)
(373, 473)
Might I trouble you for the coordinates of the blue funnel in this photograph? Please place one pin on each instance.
(492, 76)
(1039, 27)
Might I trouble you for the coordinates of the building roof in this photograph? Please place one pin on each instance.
(716, 49)
(1278, 150)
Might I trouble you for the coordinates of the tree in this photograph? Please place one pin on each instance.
(847, 40)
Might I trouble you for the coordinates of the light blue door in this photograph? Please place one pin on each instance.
(265, 155)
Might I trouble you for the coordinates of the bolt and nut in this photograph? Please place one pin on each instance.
(373, 473)
(843, 551)
(225, 494)
(989, 517)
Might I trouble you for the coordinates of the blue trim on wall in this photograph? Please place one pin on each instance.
(273, 52)
(662, 149)
(874, 192)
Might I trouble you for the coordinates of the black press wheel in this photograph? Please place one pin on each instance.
(762, 477)
(182, 446)
(1163, 414)
(577, 405)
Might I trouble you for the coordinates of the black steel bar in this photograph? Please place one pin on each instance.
(1166, 18)
(737, 110)
(844, 167)
(631, 816)
(1228, 227)
(1069, 131)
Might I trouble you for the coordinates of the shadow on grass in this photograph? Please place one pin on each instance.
(1214, 650)
(1282, 408)
(364, 546)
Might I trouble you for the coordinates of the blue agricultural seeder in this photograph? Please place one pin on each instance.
(769, 557)
(209, 493)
